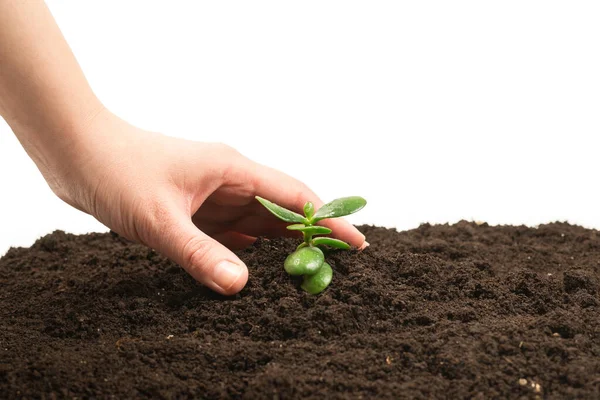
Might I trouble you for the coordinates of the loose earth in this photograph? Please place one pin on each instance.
(445, 311)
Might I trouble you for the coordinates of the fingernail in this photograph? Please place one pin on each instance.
(364, 246)
(226, 274)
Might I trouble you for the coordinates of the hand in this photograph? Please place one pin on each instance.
(190, 201)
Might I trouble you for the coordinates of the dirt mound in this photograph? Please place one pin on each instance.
(446, 311)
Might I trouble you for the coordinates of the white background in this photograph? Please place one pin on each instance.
(433, 111)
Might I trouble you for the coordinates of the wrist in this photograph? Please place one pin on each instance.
(96, 155)
(60, 142)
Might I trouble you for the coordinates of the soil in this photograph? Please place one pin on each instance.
(459, 311)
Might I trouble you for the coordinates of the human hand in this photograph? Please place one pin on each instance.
(190, 201)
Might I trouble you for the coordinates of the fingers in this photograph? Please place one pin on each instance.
(251, 225)
(234, 240)
(282, 189)
(291, 193)
(269, 226)
(204, 258)
(345, 231)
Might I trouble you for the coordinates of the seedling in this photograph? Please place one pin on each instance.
(309, 260)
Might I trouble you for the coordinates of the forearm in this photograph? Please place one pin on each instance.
(44, 96)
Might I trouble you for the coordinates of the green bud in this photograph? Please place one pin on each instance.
(309, 210)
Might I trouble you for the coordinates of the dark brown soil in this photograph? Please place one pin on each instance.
(461, 311)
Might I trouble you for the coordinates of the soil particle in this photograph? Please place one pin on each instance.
(446, 311)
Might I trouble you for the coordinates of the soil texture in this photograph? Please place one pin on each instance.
(445, 311)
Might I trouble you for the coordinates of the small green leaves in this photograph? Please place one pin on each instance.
(305, 261)
(280, 212)
(308, 260)
(315, 284)
(311, 230)
(339, 208)
(309, 210)
(325, 241)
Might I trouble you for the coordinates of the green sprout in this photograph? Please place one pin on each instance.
(309, 260)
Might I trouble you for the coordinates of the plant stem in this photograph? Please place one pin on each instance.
(307, 238)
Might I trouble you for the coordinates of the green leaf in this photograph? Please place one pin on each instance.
(315, 284)
(311, 230)
(305, 261)
(338, 244)
(280, 212)
(339, 208)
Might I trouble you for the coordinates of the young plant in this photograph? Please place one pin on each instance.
(309, 260)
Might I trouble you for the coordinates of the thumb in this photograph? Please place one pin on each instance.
(205, 259)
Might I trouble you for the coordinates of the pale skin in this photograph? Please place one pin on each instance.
(191, 201)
